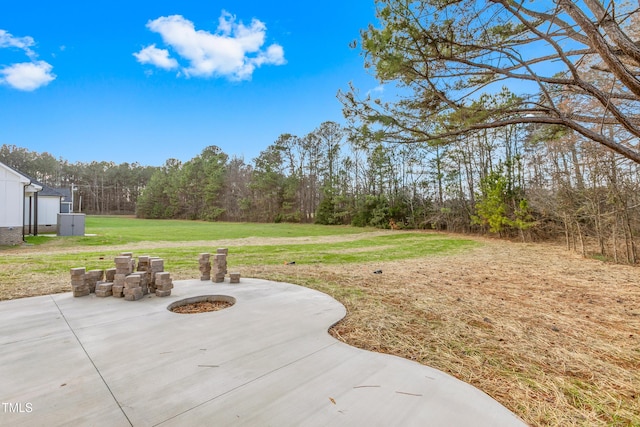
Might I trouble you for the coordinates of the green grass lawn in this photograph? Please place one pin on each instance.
(120, 230)
(112, 230)
(170, 240)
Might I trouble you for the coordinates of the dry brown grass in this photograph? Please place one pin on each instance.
(552, 336)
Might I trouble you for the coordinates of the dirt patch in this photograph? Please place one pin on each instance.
(361, 250)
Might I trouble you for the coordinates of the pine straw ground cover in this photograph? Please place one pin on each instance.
(552, 336)
(202, 307)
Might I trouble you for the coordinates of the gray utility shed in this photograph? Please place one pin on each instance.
(71, 224)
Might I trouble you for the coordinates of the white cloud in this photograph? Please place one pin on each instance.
(24, 43)
(27, 76)
(158, 57)
(234, 50)
(377, 89)
(273, 55)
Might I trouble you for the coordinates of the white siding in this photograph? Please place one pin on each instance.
(48, 210)
(11, 196)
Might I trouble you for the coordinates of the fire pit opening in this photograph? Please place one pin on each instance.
(202, 304)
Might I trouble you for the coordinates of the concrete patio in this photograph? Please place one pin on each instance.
(267, 360)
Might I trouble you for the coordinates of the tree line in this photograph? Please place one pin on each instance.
(101, 187)
(521, 181)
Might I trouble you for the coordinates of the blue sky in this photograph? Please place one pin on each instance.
(147, 81)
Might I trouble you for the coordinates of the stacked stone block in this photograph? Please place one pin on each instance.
(124, 264)
(78, 283)
(132, 261)
(164, 284)
(123, 269)
(157, 266)
(117, 290)
(144, 283)
(109, 273)
(132, 290)
(145, 270)
(219, 267)
(92, 277)
(204, 260)
(104, 289)
(225, 252)
(144, 267)
(133, 282)
(143, 263)
(126, 279)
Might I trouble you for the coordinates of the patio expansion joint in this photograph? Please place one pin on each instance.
(92, 362)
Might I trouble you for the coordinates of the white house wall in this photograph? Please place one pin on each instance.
(48, 210)
(12, 185)
(11, 193)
